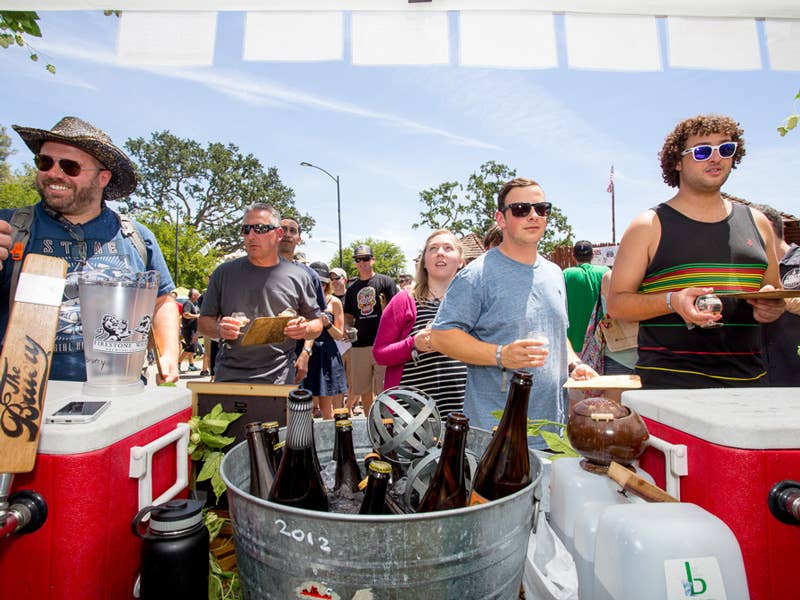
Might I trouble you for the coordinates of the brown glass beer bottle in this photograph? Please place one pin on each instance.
(339, 414)
(261, 476)
(374, 502)
(347, 471)
(448, 487)
(271, 439)
(505, 466)
(298, 482)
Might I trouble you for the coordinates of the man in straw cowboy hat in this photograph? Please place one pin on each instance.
(79, 170)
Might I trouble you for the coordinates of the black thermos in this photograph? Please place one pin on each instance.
(174, 551)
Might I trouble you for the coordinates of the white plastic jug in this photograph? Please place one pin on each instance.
(666, 551)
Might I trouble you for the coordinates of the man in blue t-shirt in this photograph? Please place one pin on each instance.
(498, 305)
(79, 170)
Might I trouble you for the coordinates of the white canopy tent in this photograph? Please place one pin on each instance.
(621, 35)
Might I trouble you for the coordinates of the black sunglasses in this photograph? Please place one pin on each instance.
(359, 259)
(334, 277)
(523, 209)
(258, 228)
(70, 167)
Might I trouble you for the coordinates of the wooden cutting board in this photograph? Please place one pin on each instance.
(606, 382)
(26, 358)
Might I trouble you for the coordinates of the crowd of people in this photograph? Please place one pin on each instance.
(452, 330)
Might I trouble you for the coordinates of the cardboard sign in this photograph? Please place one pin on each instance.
(266, 330)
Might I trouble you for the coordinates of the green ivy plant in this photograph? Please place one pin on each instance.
(559, 445)
(206, 443)
(791, 121)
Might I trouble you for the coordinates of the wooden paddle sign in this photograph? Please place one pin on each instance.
(26, 357)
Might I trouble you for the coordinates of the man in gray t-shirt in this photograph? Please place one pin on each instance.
(259, 285)
(496, 304)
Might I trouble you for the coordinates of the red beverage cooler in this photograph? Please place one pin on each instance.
(94, 478)
(738, 444)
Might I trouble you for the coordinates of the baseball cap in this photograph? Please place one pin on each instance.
(583, 249)
(322, 270)
(363, 250)
(340, 272)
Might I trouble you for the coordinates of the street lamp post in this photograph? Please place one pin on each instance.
(177, 220)
(338, 206)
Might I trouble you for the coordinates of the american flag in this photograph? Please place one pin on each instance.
(610, 188)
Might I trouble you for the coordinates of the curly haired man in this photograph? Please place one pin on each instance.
(697, 243)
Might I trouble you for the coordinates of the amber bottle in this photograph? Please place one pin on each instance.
(374, 502)
(261, 475)
(448, 487)
(368, 458)
(505, 466)
(339, 414)
(347, 471)
(298, 482)
(271, 439)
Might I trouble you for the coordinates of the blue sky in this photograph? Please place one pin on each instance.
(391, 132)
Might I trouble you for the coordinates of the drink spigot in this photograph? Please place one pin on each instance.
(784, 501)
(25, 512)
(5, 488)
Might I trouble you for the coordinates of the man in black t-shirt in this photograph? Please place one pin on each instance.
(364, 302)
(189, 317)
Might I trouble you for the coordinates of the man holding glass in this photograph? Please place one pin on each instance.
(694, 244)
(78, 171)
(259, 285)
(499, 309)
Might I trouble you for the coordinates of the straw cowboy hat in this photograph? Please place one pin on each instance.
(94, 141)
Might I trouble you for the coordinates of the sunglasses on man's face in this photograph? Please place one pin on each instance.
(258, 228)
(334, 277)
(704, 151)
(70, 167)
(359, 259)
(523, 209)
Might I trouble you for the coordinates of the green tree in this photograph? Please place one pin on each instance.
(196, 256)
(211, 186)
(475, 212)
(18, 188)
(5, 145)
(389, 258)
(558, 233)
(15, 26)
(466, 208)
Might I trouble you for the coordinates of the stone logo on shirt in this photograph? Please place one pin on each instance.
(791, 280)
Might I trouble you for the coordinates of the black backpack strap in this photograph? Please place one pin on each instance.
(130, 231)
(20, 234)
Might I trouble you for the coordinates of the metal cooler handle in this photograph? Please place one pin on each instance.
(676, 461)
(141, 466)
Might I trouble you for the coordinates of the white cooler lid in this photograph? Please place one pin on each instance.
(125, 416)
(749, 418)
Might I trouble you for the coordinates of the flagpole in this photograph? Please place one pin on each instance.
(613, 216)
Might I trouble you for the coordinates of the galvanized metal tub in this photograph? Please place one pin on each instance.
(469, 553)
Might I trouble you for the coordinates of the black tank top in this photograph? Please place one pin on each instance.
(729, 256)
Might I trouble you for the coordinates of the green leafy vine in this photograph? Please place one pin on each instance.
(791, 121)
